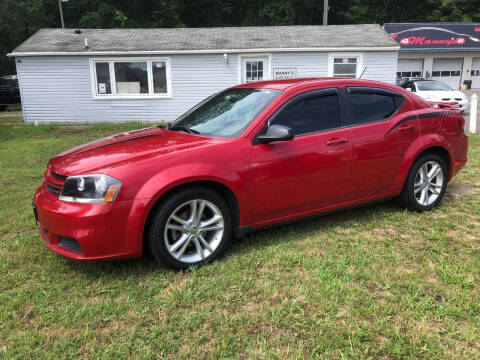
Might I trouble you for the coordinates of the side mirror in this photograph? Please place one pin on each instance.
(276, 132)
(408, 89)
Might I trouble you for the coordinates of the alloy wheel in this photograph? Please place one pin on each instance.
(194, 230)
(428, 183)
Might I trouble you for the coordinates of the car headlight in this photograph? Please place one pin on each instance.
(92, 189)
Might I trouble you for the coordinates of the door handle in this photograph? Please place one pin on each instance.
(336, 141)
(406, 128)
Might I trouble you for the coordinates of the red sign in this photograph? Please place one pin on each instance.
(465, 36)
(422, 40)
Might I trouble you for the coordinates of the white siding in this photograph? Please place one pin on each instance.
(58, 88)
(308, 64)
(380, 66)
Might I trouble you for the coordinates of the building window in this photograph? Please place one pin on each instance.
(446, 73)
(159, 74)
(254, 70)
(253, 67)
(345, 67)
(131, 78)
(409, 74)
(103, 78)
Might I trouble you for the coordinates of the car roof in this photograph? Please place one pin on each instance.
(301, 82)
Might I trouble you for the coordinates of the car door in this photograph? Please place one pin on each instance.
(307, 173)
(383, 127)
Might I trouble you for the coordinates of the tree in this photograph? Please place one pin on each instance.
(19, 19)
(106, 16)
(454, 10)
(279, 12)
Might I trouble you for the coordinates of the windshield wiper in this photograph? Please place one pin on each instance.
(183, 128)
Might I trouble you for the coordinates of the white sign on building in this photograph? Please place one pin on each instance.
(284, 73)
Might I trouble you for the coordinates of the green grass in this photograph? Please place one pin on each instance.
(376, 282)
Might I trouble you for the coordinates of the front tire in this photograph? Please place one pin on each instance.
(426, 183)
(190, 228)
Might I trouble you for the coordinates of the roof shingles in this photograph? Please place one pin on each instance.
(193, 39)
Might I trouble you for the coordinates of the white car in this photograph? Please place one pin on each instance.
(437, 91)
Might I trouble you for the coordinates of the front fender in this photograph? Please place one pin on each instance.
(421, 144)
(175, 176)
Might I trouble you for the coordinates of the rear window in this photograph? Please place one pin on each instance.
(371, 107)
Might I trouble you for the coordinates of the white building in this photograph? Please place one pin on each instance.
(117, 75)
(449, 52)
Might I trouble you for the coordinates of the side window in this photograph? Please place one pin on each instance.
(313, 114)
(371, 107)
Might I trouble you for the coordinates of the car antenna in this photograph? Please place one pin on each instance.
(365, 68)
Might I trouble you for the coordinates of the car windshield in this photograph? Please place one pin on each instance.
(227, 113)
(433, 86)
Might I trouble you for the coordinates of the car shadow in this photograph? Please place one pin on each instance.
(293, 231)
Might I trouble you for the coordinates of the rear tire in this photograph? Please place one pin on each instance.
(426, 183)
(190, 228)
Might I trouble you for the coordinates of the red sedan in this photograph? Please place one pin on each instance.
(252, 155)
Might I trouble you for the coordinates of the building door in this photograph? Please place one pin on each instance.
(475, 73)
(255, 69)
(408, 68)
(448, 71)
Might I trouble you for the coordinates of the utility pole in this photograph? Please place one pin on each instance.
(325, 12)
(61, 13)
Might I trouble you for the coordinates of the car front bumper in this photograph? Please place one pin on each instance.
(89, 231)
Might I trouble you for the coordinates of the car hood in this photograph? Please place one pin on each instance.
(442, 94)
(115, 149)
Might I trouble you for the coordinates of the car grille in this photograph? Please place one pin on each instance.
(458, 99)
(58, 176)
(69, 244)
(54, 182)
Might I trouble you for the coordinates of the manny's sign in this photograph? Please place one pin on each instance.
(438, 36)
